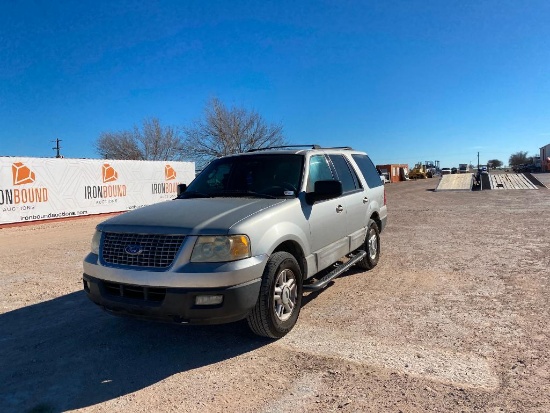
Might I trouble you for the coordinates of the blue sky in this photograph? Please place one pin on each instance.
(405, 81)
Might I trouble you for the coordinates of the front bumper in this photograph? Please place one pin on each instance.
(168, 294)
(171, 304)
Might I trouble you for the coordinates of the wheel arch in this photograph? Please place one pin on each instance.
(295, 249)
(376, 218)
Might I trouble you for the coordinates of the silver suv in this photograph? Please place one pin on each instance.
(249, 235)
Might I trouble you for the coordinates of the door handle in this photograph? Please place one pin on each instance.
(365, 200)
(339, 208)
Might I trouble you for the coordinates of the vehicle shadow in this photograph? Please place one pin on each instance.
(67, 354)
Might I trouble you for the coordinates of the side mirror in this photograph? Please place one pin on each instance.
(325, 190)
(181, 188)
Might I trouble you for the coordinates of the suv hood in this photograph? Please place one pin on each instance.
(188, 216)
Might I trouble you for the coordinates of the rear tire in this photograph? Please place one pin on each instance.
(280, 298)
(371, 246)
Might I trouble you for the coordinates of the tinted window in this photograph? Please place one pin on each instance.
(349, 182)
(318, 171)
(368, 170)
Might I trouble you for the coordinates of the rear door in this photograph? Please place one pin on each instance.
(374, 190)
(354, 201)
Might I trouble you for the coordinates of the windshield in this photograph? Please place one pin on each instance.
(266, 176)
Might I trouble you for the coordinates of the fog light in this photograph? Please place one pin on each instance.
(208, 299)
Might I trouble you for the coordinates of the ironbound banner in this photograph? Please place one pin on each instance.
(33, 189)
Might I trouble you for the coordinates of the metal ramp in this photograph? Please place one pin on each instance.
(465, 182)
(455, 182)
(510, 181)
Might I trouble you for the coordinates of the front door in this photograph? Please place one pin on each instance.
(327, 219)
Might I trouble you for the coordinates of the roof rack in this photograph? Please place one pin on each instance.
(349, 148)
(312, 146)
(299, 146)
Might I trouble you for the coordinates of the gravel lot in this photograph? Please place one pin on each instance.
(455, 317)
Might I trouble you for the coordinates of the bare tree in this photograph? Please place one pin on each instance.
(118, 145)
(160, 143)
(152, 142)
(494, 163)
(519, 158)
(223, 131)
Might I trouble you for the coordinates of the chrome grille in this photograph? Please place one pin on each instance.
(140, 250)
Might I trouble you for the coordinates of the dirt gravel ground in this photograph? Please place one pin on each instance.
(455, 318)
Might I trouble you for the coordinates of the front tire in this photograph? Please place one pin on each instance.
(371, 246)
(280, 298)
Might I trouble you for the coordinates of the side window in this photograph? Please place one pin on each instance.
(368, 170)
(349, 180)
(318, 171)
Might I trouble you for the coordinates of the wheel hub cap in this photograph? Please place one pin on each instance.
(373, 246)
(286, 295)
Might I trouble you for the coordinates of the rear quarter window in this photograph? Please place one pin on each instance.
(368, 170)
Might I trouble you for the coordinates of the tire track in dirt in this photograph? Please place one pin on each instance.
(465, 370)
(298, 397)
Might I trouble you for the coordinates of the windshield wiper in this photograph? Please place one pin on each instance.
(240, 192)
(193, 194)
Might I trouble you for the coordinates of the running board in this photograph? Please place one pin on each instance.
(323, 282)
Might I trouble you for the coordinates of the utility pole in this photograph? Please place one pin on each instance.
(478, 160)
(57, 148)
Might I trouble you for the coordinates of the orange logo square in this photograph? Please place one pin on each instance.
(169, 173)
(22, 174)
(109, 173)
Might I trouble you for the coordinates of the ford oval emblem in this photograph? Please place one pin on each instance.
(133, 249)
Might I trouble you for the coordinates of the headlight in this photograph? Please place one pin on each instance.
(95, 242)
(221, 248)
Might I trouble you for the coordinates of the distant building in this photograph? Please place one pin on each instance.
(395, 172)
(545, 158)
